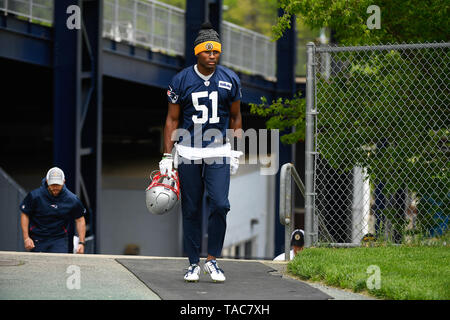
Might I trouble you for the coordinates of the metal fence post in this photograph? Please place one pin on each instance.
(30, 11)
(289, 221)
(309, 148)
(286, 216)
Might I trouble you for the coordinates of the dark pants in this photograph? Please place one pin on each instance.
(195, 178)
(59, 245)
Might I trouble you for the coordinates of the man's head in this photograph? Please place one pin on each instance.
(55, 181)
(207, 47)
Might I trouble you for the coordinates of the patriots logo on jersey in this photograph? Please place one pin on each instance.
(172, 95)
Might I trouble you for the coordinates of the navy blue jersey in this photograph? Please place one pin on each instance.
(49, 215)
(205, 105)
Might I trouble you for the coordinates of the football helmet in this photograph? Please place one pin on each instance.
(163, 192)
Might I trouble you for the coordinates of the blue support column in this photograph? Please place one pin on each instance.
(77, 105)
(195, 16)
(91, 116)
(215, 14)
(197, 12)
(286, 59)
(66, 101)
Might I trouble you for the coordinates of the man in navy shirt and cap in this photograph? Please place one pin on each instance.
(47, 211)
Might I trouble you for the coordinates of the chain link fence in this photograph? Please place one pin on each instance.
(377, 145)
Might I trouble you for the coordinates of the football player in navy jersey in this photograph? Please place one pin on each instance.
(203, 103)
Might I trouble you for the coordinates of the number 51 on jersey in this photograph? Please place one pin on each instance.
(213, 96)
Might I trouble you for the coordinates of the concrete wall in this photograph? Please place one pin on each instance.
(125, 220)
(11, 194)
(252, 214)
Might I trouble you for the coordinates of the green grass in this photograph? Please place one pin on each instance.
(406, 272)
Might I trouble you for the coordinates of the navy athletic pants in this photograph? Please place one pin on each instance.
(195, 178)
(59, 245)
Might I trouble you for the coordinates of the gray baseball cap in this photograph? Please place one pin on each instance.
(55, 176)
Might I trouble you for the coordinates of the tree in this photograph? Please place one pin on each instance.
(256, 15)
(386, 111)
(176, 3)
(401, 21)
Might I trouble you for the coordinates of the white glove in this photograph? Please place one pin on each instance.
(166, 164)
(234, 161)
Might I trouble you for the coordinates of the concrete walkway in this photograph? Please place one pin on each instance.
(50, 276)
(246, 280)
(46, 276)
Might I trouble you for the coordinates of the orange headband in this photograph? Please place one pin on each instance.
(208, 46)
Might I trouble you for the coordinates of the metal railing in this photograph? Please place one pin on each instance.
(150, 24)
(161, 27)
(287, 172)
(248, 51)
(39, 11)
(377, 143)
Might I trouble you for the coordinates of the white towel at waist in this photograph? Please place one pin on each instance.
(193, 153)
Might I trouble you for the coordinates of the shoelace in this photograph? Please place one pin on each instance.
(191, 268)
(217, 269)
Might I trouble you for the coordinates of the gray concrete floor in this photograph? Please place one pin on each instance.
(46, 276)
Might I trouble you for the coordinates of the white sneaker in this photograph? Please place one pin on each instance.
(192, 274)
(217, 274)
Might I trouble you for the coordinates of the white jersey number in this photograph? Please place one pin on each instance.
(213, 96)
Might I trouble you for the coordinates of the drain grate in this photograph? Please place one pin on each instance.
(10, 262)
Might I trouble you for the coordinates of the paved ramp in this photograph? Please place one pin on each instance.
(51, 276)
(245, 281)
